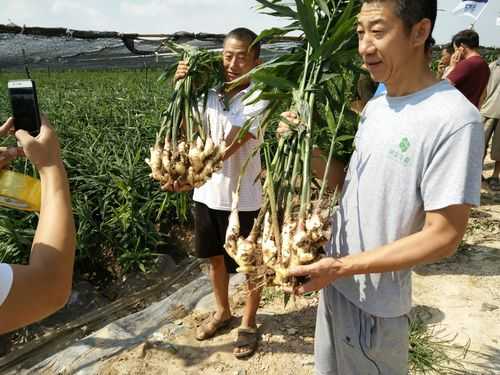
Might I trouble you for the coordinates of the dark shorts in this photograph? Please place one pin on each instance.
(210, 232)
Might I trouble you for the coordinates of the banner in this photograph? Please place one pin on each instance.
(471, 8)
(498, 21)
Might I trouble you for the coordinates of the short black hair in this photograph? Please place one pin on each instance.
(413, 11)
(247, 35)
(469, 38)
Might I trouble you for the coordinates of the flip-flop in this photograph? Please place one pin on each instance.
(247, 339)
(210, 326)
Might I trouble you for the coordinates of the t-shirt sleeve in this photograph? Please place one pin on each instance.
(6, 278)
(453, 175)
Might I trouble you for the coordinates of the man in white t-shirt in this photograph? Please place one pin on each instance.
(226, 114)
(31, 292)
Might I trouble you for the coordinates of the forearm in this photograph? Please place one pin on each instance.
(54, 242)
(447, 72)
(43, 286)
(426, 246)
(234, 141)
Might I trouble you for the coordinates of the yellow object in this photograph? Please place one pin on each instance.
(20, 191)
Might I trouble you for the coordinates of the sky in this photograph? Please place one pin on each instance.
(214, 16)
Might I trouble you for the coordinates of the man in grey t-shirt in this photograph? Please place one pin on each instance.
(406, 195)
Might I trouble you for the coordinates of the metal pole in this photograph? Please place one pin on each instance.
(479, 15)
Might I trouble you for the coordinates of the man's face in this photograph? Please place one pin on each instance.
(238, 60)
(384, 43)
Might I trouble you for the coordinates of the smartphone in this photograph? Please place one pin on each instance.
(24, 104)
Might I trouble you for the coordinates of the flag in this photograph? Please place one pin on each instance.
(471, 8)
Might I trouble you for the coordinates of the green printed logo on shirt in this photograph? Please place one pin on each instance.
(404, 145)
(399, 153)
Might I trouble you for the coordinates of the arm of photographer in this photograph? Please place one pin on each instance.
(44, 285)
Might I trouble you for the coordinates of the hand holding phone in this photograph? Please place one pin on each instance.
(24, 104)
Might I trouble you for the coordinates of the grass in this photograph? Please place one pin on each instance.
(432, 354)
(106, 122)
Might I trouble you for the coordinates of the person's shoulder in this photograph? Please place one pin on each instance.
(376, 101)
(478, 61)
(452, 107)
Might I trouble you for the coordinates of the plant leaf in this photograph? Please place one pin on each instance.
(324, 7)
(343, 31)
(305, 14)
(272, 80)
(279, 10)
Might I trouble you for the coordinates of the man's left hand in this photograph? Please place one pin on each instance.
(319, 274)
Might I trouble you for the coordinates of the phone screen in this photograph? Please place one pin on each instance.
(24, 106)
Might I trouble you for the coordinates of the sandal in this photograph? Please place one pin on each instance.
(247, 339)
(210, 326)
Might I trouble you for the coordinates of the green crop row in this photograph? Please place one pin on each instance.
(106, 122)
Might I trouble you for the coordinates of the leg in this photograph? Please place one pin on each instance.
(495, 148)
(247, 340)
(489, 127)
(251, 306)
(222, 315)
(366, 344)
(208, 245)
(220, 284)
(253, 298)
(325, 357)
(248, 326)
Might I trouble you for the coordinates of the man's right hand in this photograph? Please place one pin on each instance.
(43, 150)
(182, 71)
(456, 57)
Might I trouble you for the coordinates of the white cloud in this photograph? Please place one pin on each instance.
(20, 11)
(80, 15)
(192, 15)
(153, 8)
(143, 16)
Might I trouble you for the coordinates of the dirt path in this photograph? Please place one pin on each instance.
(286, 346)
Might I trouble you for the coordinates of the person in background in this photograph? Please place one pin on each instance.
(31, 292)
(444, 61)
(365, 89)
(490, 112)
(468, 72)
